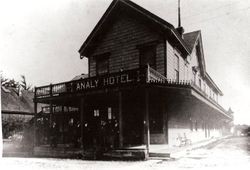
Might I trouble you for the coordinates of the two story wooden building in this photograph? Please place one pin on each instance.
(147, 84)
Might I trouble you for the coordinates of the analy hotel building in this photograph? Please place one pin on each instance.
(147, 84)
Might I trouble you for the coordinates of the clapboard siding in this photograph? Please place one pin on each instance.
(121, 41)
(171, 52)
(160, 58)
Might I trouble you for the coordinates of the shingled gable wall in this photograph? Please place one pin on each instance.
(121, 41)
(171, 52)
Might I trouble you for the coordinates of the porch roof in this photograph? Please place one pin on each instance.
(68, 92)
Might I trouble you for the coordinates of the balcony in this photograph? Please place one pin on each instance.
(138, 76)
(145, 75)
(118, 79)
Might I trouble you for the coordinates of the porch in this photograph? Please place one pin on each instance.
(116, 112)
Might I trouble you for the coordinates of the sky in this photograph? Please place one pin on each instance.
(40, 39)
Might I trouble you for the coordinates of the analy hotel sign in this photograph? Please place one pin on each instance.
(105, 81)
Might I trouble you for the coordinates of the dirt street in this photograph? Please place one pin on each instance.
(231, 153)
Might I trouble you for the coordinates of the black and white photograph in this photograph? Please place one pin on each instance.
(125, 84)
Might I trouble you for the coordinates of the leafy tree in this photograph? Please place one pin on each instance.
(24, 84)
(9, 83)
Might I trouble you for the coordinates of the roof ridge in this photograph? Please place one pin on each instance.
(166, 26)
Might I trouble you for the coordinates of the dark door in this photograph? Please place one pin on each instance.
(103, 127)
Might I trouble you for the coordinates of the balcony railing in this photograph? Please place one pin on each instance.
(142, 75)
(154, 77)
(104, 81)
(145, 75)
(50, 90)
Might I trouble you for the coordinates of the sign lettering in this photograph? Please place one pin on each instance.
(104, 81)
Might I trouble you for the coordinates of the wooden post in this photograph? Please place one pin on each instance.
(148, 74)
(50, 90)
(165, 120)
(50, 114)
(146, 122)
(63, 120)
(35, 134)
(50, 123)
(120, 120)
(35, 114)
(82, 120)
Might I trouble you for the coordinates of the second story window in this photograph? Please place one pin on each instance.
(186, 77)
(148, 56)
(176, 68)
(102, 64)
(194, 77)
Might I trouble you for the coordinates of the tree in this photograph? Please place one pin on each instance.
(9, 83)
(24, 84)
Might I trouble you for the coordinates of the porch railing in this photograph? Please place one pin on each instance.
(142, 75)
(110, 80)
(145, 75)
(50, 90)
(154, 77)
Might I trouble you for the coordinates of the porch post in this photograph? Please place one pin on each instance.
(35, 125)
(82, 120)
(50, 112)
(120, 120)
(165, 120)
(63, 120)
(146, 122)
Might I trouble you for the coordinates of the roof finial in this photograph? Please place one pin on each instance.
(179, 28)
(179, 13)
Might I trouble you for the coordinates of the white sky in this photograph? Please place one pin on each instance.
(40, 39)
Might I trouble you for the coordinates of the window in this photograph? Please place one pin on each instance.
(109, 113)
(200, 83)
(198, 50)
(96, 113)
(186, 70)
(102, 64)
(176, 68)
(147, 56)
(194, 77)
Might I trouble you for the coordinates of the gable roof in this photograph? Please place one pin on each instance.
(191, 38)
(186, 44)
(115, 9)
(230, 111)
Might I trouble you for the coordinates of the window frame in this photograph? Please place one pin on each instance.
(102, 57)
(186, 75)
(148, 46)
(177, 68)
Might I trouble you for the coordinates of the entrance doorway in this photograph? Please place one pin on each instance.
(102, 128)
